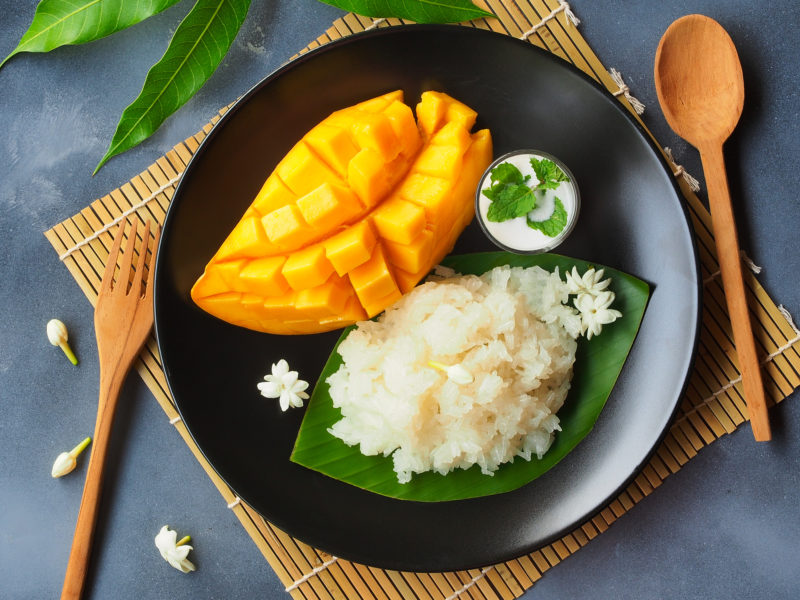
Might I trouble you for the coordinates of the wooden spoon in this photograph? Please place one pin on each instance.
(701, 91)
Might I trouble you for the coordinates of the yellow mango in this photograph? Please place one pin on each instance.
(328, 206)
(247, 240)
(405, 128)
(431, 112)
(273, 195)
(407, 281)
(367, 177)
(307, 268)
(333, 145)
(453, 134)
(439, 161)
(377, 306)
(461, 114)
(286, 228)
(375, 131)
(281, 307)
(351, 313)
(226, 306)
(221, 277)
(413, 256)
(381, 102)
(302, 170)
(306, 255)
(350, 248)
(326, 300)
(263, 276)
(398, 220)
(373, 280)
(431, 193)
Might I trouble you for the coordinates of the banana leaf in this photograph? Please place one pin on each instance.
(597, 366)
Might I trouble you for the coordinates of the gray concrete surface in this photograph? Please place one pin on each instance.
(726, 526)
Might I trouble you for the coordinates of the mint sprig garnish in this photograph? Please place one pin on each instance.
(512, 197)
(548, 173)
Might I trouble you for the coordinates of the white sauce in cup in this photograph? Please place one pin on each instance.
(514, 235)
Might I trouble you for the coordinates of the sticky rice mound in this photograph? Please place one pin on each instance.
(510, 328)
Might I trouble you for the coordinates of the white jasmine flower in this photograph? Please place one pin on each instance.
(66, 461)
(591, 282)
(284, 384)
(57, 334)
(595, 312)
(172, 551)
(455, 373)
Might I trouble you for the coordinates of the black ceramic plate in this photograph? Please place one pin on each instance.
(631, 219)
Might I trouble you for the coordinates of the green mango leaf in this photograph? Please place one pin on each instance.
(63, 22)
(597, 366)
(198, 46)
(419, 11)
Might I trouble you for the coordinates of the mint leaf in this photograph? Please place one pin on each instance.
(555, 224)
(510, 202)
(548, 173)
(507, 173)
(510, 197)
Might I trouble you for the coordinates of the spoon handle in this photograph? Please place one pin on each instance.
(730, 265)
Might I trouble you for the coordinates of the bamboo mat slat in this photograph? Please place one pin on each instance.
(712, 406)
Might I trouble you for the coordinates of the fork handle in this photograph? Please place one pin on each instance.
(110, 386)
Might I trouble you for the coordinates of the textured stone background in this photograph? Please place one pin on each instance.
(725, 526)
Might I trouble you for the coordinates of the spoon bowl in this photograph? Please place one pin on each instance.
(699, 80)
(700, 88)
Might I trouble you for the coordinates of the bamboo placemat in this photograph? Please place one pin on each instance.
(712, 406)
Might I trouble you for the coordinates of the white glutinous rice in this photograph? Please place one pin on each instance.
(511, 329)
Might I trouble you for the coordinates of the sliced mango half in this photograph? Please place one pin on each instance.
(354, 216)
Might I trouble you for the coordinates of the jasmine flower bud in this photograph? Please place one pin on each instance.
(57, 334)
(455, 373)
(66, 461)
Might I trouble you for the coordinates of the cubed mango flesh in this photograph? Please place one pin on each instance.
(325, 300)
(307, 268)
(302, 170)
(413, 256)
(398, 220)
(375, 131)
(350, 247)
(333, 145)
(328, 206)
(354, 216)
(367, 177)
(247, 240)
(263, 276)
(273, 195)
(286, 228)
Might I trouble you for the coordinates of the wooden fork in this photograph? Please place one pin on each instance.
(123, 318)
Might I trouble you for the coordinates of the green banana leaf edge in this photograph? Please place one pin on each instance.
(598, 364)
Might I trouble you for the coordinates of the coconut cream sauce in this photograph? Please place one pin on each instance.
(514, 234)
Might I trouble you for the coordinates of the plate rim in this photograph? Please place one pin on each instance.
(520, 549)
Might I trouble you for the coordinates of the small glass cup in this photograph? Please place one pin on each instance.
(515, 235)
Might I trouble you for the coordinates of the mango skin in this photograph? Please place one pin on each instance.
(354, 216)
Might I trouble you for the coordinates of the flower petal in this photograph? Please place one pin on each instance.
(289, 379)
(280, 369)
(270, 389)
